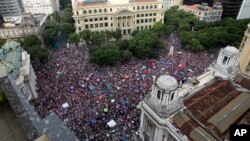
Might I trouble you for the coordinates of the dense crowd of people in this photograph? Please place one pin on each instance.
(88, 89)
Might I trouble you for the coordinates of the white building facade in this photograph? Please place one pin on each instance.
(205, 13)
(40, 6)
(128, 15)
(244, 12)
(169, 3)
(163, 101)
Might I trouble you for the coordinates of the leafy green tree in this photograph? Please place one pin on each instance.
(38, 53)
(117, 34)
(51, 24)
(67, 10)
(108, 35)
(56, 16)
(2, 41)
(67, 17)
(123, 44)
(30, 41)
(64, 3)
(108, 54)
(158, 28)
(86, 35)
(144, 44)
(97, 38)
(168, 29)
(126, 55)
(134, 32)
(67, 28)
(49, 36)
(195, 45)
(74, 38)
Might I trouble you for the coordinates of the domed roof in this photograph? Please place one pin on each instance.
(231, 50)
(167, 82)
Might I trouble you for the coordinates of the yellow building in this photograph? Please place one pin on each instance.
(245, 56)
(128, 15)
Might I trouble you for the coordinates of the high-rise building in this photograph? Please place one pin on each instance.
(128, 15)
(170, 3)
(11, 7)
(245, 56)
(41, 6)
(244, 10)
(231, 8)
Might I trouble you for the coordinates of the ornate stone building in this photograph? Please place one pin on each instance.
(21, 26)
(202, 108)
(245, 57)
(15, 62)
(17, 81)
(204, 12)
(128, 15)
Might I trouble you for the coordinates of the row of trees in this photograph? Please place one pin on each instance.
(145, 44)
(198, 35)
(58, 22)
(32, 44)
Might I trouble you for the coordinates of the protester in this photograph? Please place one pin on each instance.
(88, 89)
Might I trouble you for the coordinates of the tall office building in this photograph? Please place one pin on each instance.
(11, 7)
(41, 6)
(244, 10)
(231, 8)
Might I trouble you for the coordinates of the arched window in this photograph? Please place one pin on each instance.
(105, 10)
(90, 11)
(100, 10)
(155, 6)
(159, 94)
(147, 7)
(151, 6)
(142, 7)
(84, 11)
(138, 7)
(95, 11)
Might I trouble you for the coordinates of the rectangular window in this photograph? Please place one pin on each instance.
(150, 14)
(142, 15)
(100, 19)
(137, 21)
(138, 15)
(146, 15)
(154, 14)
(91, 20)
(86, 26)
(146, 20)
(154, 19)
(78, 21)
(106, 18)
(96, 25)
(96, 19)
(150, 20)
(106, 24)
(79, 28)
(138, 28)
(101, 24)
(91, 26)
(111, 25)
(86, 20)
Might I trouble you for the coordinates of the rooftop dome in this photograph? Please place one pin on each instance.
(167, 82)
(231, 50)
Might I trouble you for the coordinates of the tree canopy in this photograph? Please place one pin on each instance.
(198, 35)
(32, 45)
